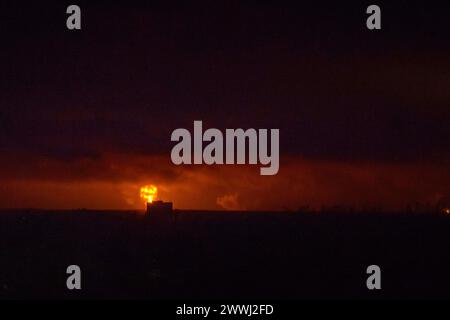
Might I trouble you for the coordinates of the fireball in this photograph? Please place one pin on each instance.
(148, 193)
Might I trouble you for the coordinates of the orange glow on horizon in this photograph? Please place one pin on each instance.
(148, 193)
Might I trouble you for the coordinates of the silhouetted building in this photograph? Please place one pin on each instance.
(160, 210)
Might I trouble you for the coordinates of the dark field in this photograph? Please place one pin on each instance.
(223, 255)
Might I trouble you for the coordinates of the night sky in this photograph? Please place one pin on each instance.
(86, 116)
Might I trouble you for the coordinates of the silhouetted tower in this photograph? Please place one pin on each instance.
(160, 210)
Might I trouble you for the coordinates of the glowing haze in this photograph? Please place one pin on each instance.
(86, 117)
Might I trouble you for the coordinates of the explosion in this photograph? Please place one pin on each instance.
(148, 193)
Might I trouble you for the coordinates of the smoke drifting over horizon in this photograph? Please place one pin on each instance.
(113, 182)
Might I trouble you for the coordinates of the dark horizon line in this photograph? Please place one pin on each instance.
(332, 210)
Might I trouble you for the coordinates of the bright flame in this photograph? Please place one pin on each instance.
(149, 192)
(446, 210)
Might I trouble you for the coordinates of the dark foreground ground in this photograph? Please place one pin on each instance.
(223, 255)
